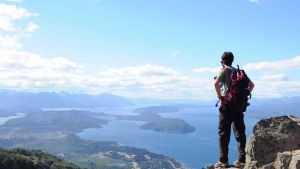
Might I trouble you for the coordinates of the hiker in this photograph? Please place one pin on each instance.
(233, 104)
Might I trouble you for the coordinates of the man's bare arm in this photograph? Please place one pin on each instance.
(218, 88)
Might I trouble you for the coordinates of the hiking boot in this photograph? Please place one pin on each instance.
(221, 165)
(238, 164)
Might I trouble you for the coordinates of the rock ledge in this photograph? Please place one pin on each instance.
(275, 143)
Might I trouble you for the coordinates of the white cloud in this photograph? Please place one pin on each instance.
(255, 1)
(270, 78)
(9, 14)
(213, 70)
(26, 70)
(265, 67)
(273, 81)
(16, 1)
(31, 27)
(274, 77)
(21, 70)
(275, 66)
(153, 81)
(140, 70)
(25, 61)
(271, 89)
(10, 32)
(8, 41)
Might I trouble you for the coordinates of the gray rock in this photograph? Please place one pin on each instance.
(212, 167)
(275, 144)
(295, 160)
(272, 144)
(283, 160)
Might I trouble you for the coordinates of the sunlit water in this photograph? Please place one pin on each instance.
(193, 150)
(3, 120)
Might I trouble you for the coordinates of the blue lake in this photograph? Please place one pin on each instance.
(3, 120)
(193, 150)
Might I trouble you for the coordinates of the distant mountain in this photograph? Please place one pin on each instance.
(158, 109)
(10, 98)
(4, 113)
(259, 108)
(159, 101)
(31, 159)
(263, 108)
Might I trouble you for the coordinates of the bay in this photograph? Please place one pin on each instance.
(193, 150)
(3, 120)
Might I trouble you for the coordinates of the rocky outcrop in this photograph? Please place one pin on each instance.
(288, 159)
(275, 144)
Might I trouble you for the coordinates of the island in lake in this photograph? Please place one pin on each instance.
(54, 132)
(161, 124)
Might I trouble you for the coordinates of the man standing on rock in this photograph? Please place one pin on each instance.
(233, 88)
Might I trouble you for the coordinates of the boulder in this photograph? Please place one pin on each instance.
(275, 144)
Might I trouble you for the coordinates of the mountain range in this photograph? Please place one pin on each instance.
(10, 98)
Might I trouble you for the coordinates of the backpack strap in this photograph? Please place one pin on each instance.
(228, 74)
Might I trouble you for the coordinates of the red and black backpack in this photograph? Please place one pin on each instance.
(238, 93)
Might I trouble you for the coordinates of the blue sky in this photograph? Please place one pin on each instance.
(139, 48)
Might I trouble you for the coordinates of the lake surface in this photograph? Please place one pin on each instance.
(193, 150)
(3, 120)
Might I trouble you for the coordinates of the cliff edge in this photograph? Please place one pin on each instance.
(275, 143)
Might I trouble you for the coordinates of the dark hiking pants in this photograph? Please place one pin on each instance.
(226, 119)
